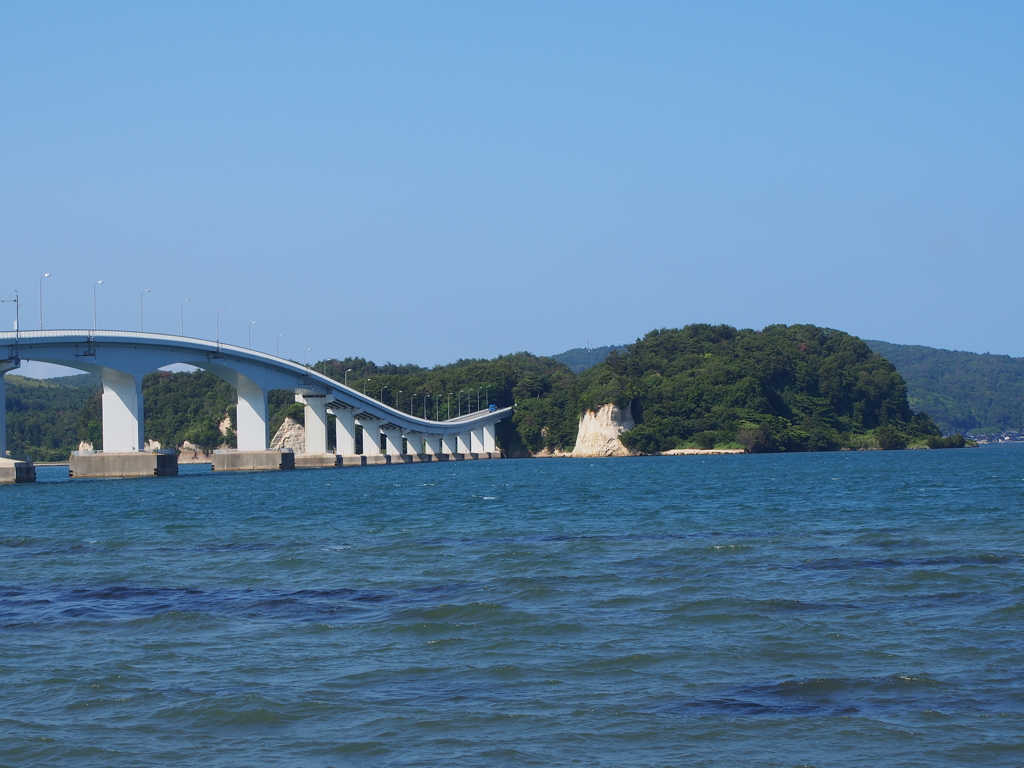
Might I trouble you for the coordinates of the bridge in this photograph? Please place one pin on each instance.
(122, 358)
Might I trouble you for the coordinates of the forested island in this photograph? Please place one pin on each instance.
(780, 389)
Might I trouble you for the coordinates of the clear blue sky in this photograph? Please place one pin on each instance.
(421, 182)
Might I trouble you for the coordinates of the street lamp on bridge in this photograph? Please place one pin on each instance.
(41, 300)
(98, 282)
(141, 297)
(186, 301)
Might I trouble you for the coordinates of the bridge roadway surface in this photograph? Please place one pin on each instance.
(122, 358)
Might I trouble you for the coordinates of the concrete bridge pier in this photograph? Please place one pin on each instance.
(5, 367)
(315, 417)
(123, 435)
(11, 471)
(344, 431)
(393, 441)
(490, 439)
(465, 443)
(449, 445)
(418, 446)
(476, 438)
(122, 412)
(316, 422)
(252, 416)
(371, 439)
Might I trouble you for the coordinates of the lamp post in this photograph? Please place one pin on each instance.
(41, 300)
(218, 325)
(381, 398)
(305, 357)
(346, 375)
(251, 324)
(186, 301)
(365, 383)
(411, 398)
(425, 398)
(460, 401)
(450, 404)
(277, 344)
(141, 297)
(487, 396)
(478, 390)
(398, 401)
(98, 282)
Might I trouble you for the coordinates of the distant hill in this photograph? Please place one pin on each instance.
(961, 391)
(581, 358)
(43, 415)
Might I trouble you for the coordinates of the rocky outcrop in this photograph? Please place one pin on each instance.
(290, 434)
(84, 446)
(599, 432)
(151, 445)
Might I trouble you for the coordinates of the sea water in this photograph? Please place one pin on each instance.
(816, 609)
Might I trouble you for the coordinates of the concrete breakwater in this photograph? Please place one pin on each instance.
(165, 463)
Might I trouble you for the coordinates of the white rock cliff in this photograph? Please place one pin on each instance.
(599, 432)
(290, 434)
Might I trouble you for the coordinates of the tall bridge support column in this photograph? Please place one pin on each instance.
(476, 437)
(344, 432)
(393, 440)
(465, 443)
(449, 444)
(316, 422)
(10, 471)
(4, 368)
(432, 444)
(490, 440)
(371, 437)
(122, 412)
(253, 417)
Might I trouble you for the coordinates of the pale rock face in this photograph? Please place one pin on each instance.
(224, 425)
(290, 434)
(599, 432)
(151, 445)
(84, 446)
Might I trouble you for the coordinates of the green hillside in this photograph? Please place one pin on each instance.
(43, 416)
(962, 391)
